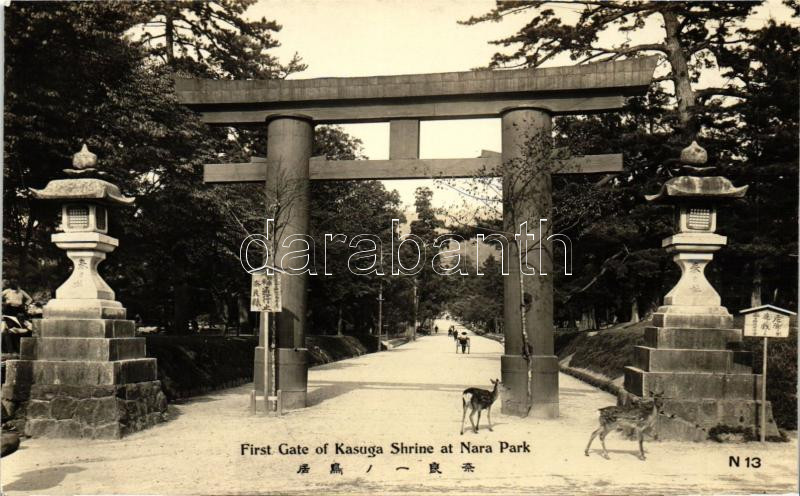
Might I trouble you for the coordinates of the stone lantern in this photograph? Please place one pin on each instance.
(85, 373)
(84, 221)
(691, 353)
(693, 301)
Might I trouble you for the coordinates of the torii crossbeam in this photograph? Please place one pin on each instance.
(525, 100)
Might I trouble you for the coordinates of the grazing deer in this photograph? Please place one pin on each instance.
(478, 399)
(639, 418)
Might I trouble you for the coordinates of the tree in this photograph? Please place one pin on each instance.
(619, 269)
(480, 302)
(693, 33)
(90, 83)
(432, 289)
(758, 136)
(212, 39)
(345, 302)
(87, 85)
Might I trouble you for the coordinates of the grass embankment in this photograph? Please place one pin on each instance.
(605, 354)
(193, 365)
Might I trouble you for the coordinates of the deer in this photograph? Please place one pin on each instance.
(640, 418)
(477, 400)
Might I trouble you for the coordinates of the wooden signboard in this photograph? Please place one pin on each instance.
(766, 322)
(265, 293)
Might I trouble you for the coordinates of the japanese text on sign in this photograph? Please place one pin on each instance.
(766, 324)
(265, 293)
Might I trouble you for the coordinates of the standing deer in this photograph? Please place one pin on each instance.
(639, 418)
(478, 399)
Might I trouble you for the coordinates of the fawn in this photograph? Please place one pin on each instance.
(639, 417)
(478, 399)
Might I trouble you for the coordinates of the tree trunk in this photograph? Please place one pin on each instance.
(169, 35)
(684, 94)
(588, 320)
(243, 313)
(634, 311)
(755, 293)
(339, 322)
(180, 315)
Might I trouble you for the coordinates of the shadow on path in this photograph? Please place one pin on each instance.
(42, 479)
(326, 390)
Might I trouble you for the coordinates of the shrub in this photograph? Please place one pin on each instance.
(607, 352)
(781, 375)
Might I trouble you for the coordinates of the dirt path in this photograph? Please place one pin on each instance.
(409, 395)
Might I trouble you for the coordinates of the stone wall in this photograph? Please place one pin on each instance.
(97, 412)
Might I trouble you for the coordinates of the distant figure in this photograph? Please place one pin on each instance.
(15, 300)
(463, 341)
(436, 329)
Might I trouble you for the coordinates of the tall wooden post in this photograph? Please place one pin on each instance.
(763, 412)
(530, 376)
(289, 143)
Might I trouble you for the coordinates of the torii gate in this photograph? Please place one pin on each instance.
(525, 100)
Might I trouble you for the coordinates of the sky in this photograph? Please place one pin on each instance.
(344, 38)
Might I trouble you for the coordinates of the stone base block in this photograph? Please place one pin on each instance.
(678, 429)
(689, 338)
(543, 391)
(80, 373)
(692, 385)
(676, 360)
(88, 349)
(84, 328)
(514, 395)
(693, 420)
(292, 375)
(710, 413)
(94, 411)
(293, 400)
(692, 321)
(73, 308)
(544, 387)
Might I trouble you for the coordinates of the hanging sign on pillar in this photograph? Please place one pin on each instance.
(265, 293)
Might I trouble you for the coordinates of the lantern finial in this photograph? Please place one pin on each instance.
(694, 154)
(84, 159)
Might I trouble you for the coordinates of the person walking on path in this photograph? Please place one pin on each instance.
(463, 341)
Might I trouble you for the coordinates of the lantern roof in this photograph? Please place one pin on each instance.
(679, 189)
(96, 190)
(698, 185)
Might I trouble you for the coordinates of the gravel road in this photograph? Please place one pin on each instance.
(370, 405)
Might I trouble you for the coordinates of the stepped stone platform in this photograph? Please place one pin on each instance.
(83, 378)
(705, 379)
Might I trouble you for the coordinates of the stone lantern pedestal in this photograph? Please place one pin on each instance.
(691, 354)
(85, 373)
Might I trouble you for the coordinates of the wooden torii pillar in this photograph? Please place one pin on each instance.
(525, 100)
